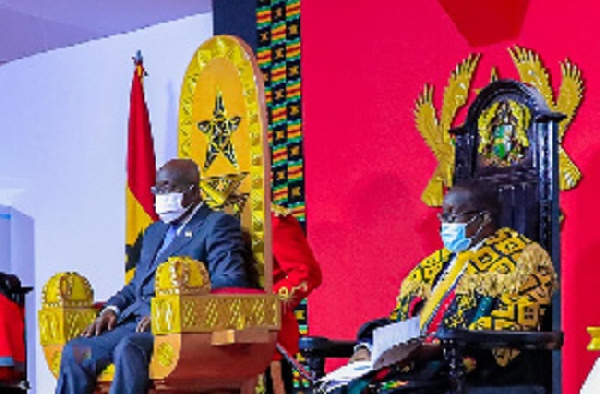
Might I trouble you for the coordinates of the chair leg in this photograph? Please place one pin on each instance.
(454, 357)
(316, 365)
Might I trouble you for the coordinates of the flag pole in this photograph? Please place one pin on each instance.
(141, 168)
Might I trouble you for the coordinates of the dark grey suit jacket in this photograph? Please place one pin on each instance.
(210, 237)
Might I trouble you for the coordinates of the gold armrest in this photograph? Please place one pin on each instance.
(67, 300)
(232, 336)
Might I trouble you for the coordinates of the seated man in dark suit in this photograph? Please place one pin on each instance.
(485, 277)
(121, 333)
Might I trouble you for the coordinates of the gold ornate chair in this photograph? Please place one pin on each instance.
(204, 340)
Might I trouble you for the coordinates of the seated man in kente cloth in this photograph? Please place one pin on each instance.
(485, 278)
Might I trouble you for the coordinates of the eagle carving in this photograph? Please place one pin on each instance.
(570, 94)
(436, 132)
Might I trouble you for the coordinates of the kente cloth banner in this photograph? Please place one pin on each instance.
(12, 339)
(141, 170)
(278, 24)
(279, 51)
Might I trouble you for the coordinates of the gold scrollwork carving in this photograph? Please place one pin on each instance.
(258, 311)
(49, 327)
(59, 325)
(67, 289)
(165, 354)
(215, 312)
(211, 314)
(236, 319)
(190, 317)
(182, 275)
(436, 133)
(503, 133)
(531, 71)
(55, 363)
(163, 316)
(221, 128)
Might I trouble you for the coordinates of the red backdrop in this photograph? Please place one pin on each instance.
(364, 64)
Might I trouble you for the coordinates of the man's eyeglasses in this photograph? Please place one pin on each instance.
(156, 190)
(448, 217)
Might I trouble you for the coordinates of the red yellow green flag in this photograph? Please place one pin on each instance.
(141, 170)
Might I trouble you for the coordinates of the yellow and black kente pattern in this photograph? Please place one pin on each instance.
(506, 285)
(278, 23)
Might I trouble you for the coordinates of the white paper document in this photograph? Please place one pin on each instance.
(391, 343)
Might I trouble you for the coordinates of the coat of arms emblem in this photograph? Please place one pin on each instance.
(503, 134)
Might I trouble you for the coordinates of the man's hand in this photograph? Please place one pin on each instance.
(361, 354)
(106, 321)
(143, 325)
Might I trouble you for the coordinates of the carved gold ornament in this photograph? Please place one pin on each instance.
(218, 131)
(532, 71)
(67, 300)
(222, 122)
(182, 275)
(67, 289)
(221, 192)
(208, 313)
(183, 303)
(165, 354)
(436, 132)
(503, 133)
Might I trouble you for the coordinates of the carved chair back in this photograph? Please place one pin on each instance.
(509, 142)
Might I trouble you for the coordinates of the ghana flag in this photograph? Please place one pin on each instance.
(141, 170)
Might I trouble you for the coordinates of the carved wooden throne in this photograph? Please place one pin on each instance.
(509, 143)
(203, 341)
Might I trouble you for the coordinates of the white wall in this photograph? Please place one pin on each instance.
(63, 135)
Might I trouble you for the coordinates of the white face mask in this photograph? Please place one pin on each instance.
(454, 236)
(169, 206)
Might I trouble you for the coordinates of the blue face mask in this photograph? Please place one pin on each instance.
(454, 236)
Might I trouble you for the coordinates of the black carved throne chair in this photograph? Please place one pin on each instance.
(509, 142)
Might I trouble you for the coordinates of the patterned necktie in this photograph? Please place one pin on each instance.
(169, 236)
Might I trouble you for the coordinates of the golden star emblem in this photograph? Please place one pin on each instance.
(218, 131)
